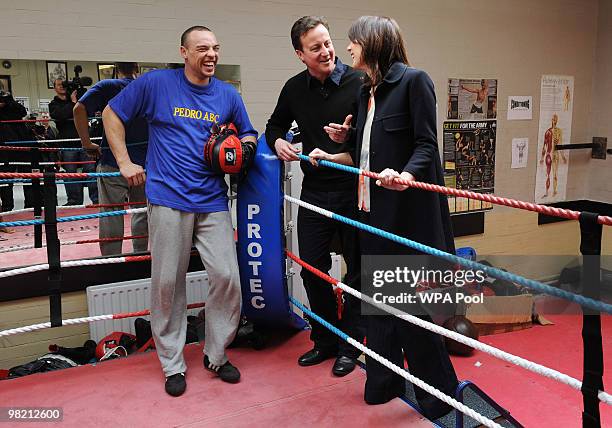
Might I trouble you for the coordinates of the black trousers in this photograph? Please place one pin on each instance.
(396, 339)
(427, 358)
(315, 236)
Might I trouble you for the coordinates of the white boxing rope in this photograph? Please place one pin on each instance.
(23, 184)
(28, 163)
(24, 210)
(31, 246)
(59, 140)
(27, 210)
(42, 326)
(425, 386)
(529, 365)
(314, 208)
(71, 263)
(403, 373)
(603, 396)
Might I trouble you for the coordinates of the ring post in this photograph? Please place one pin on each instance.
(53, 250)
(592, 381)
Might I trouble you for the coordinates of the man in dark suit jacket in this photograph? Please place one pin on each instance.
(325, 92)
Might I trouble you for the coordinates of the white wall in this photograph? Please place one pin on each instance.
(600, 175)
(515, 42)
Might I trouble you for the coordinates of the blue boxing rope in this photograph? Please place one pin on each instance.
(494, 272)
(72, 218)
(334, 165)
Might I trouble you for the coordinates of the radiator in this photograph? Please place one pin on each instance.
(132, 296)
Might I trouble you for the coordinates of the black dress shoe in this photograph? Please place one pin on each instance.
(343, 366)
(313, 357)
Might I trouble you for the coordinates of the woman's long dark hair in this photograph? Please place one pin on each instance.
(382, 44)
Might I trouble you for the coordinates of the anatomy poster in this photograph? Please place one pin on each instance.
(469, 161)
(472, 99)
(556, 105)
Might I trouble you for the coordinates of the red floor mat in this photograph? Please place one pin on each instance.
(274, 391)
(67, 231)
(533, 399)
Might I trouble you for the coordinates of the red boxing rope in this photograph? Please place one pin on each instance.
(26, 120)
(75, 163)
(27, 149)
(311, 269)
(123, 238)
(129, 259)
(148, 312)
(123, 204)
(40, 175)
(528, 206)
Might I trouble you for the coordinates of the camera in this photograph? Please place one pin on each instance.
(78, 83)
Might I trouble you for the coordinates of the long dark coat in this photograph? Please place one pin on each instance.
(403, 137)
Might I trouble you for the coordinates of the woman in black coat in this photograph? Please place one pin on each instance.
(396, 133)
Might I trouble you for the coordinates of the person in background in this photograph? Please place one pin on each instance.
(115, 190)
(61, 110)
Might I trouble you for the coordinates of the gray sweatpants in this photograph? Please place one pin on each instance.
(115, 190)
(171, 234)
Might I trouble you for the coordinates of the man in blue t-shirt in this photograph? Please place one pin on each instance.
(188, 202)
(115, 190)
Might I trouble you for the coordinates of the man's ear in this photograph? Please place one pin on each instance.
(300, 54)
(183, 52)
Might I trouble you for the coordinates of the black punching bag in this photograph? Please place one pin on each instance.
(460, 324)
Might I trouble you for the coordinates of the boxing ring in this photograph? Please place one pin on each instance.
(265, 265)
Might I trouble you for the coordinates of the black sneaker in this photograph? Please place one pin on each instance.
(227, 372)
(175, 384)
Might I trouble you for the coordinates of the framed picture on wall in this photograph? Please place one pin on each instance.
(106, 71)
(146, 68)
(5, 84)
(56, 70)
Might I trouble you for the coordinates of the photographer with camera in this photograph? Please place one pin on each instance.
(60, 109)
(12, 110)
(115, 190)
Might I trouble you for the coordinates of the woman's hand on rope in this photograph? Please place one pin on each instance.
(388, 176)
(317, 154)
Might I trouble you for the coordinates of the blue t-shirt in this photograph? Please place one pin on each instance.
(180, 116)
(136, 131)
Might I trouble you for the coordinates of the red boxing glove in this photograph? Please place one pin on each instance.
(225, 153)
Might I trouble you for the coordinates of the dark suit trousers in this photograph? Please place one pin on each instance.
(427, 358)
(315, 235)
